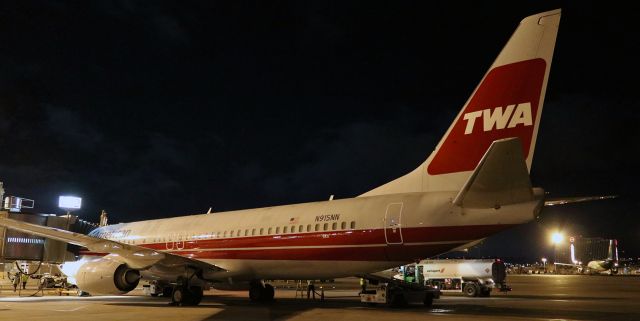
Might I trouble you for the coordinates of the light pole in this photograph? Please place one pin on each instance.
(544, 264)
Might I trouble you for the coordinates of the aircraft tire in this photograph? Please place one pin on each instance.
(196, 295)
(256, 292)
(268, 293)
(177, 296)
(183, 297)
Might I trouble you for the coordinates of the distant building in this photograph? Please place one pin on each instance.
(582, 249)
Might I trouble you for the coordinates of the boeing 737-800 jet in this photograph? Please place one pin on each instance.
(474, 184)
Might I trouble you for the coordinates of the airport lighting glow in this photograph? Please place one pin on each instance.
(557, 237)
(69, 202)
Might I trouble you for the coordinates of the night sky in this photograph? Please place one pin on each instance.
(154, 109)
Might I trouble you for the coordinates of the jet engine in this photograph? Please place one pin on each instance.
(106, 277)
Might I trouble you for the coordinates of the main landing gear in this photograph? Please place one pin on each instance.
(260, 292)
(184, 294)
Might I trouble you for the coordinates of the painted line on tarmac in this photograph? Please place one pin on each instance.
(71, 310)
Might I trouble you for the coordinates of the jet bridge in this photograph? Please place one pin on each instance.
(18, 246)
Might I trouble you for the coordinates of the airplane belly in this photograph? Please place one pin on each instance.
(243, 270)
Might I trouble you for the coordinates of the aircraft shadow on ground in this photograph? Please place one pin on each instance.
(235, 308)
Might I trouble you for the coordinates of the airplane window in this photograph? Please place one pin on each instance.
(293, 229)
(277, 229)
(253, 232)
(246, 232)
(269, 232)
(309, 228)
(239, 231)
(225, 234)
(326, 226)
(261, 230)
(334, 226)
(343, 225)
(353, 225)
(317, 227)
(300, 228)
(231, 233)
(285, 229)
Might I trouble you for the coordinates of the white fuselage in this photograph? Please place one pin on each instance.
(321, 239)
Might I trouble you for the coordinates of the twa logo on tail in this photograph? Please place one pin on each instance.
(498, 119)
(504, 105)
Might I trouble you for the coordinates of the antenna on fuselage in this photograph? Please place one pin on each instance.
(209, 211)
(331, 197)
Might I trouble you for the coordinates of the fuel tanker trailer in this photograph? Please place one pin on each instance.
(473, 278)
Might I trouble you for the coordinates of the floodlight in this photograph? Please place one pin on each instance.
(69, 202)
(557, 238)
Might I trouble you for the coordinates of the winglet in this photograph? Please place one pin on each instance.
(500, 178)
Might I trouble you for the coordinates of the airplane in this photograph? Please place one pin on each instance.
(474, 184)
(610, 264)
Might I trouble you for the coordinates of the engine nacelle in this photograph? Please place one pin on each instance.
(106, 277)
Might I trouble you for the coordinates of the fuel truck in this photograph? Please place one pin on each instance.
(473, 278)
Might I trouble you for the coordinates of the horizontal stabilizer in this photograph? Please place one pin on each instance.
(501, 178)
(579, 199)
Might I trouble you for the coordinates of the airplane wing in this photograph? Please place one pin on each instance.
(136, 257)
(580, 199)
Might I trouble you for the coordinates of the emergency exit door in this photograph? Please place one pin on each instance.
(393, 223)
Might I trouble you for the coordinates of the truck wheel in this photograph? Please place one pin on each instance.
(470, 290)
(428, 300)
(398, 300)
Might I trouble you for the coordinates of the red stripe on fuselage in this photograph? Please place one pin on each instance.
(349, 245)
(379, 253)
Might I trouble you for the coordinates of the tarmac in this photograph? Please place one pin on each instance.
(534, 297)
